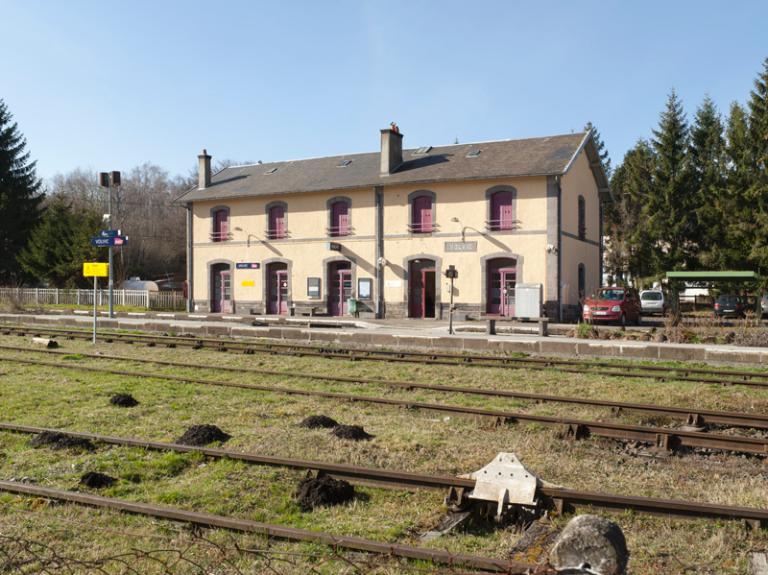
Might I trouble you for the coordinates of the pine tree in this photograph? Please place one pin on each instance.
(757, 193)
(602, 151)
(19, 196)
(629, 251)
(739, 226)
(707, 157)
(672, 220)
(60, 244)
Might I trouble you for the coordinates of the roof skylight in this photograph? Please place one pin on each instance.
(473, 153)
(343, 163)
(270, 171)
(423, 150)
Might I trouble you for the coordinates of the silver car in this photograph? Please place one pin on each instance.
(652, 301)
(764, 304)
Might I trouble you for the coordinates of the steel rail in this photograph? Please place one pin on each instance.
(576, 428)
(408, 479)
(567, 366)
(692, 415)
(277, 531)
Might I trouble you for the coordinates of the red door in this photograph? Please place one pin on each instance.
(501, 211)
(226, 292)
(276, 222)
(421, 289)
(277, 289)
(340, 288)
(508, 277)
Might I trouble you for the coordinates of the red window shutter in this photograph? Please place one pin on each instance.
(422, 220)
(339, 219)
(220, 225)
(501, 211)
(277, 222)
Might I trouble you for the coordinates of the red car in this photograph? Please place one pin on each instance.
(613, 304)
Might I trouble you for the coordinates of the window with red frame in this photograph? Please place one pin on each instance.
(220, 225)
(276, 222)
(421, 215)
(502, 216)
(339, 219)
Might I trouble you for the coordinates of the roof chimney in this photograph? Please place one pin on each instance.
(203, 170)
(391, 149)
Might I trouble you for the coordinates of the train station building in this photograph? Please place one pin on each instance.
(377, 231)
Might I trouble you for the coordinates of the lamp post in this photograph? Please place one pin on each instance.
(451, 273)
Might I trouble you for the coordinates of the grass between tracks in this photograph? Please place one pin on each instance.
(426, 442)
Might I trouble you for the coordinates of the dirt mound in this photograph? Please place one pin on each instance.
(318, 421)
(354, 432)
(203, 435)
(97, 480)
(123, 400)
(56, 440)
(323, 490)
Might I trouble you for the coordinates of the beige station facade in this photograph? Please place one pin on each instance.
(264, 239)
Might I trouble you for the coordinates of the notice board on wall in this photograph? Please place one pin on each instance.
(313, 288)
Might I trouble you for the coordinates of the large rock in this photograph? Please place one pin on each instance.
(590, 543)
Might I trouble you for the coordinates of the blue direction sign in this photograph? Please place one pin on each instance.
(110, 233)
(247, 266)
(101, 242)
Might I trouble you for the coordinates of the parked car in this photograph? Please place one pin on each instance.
(613, 304)
(652, 301)
(764, 304)
(730, 305)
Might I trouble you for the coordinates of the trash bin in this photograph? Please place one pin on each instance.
(352, 306)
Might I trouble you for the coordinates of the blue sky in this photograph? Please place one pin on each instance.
(108, 85)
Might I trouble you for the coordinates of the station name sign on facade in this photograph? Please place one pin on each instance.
(460, 246)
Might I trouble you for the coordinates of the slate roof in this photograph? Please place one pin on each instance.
(508, 158)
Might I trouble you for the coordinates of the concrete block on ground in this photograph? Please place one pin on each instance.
(593, 544)
(594, 348)
(565, 347)
(758, 564)
(678, 353)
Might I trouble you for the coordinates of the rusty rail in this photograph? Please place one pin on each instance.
(407, 479)
(576, 428)
(662, 373)
(693, 416)
(278, 531)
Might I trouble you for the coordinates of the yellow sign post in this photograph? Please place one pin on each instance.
(95, 270)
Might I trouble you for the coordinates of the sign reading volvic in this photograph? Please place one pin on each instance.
(248, 265)
(460, 246)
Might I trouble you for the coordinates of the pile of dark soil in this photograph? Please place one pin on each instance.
(123, 400)
(56, 440)
(318, 421)
(97, 480)
(323, 490)
(203, 435)
(353, 432)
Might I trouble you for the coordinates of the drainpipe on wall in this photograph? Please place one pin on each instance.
(378, 192)
(190, 261)
(559, 249)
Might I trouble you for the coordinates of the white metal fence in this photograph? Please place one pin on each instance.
(161, 300)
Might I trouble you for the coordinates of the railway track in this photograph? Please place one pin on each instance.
(556, 496)
(693, 417)
(665, 438)
(656, 372)
(437, 556)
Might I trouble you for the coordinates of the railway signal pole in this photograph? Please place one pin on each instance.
(109, 180)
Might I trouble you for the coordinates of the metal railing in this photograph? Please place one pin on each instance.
(419, 228)
(275, 234)
(339, 231)
(221, 236)
(499, 225)
(160, 300)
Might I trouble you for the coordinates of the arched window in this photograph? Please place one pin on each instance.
(502, 216)
(422, 213)
(339, 224)
(582, 282)
(276, 218)
(220, 231)
(582, 218)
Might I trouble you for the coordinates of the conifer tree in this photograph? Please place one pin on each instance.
(602, 151)
(670, 205)
(60, 244)
(19, 196)
(738, 226)
(757, 193)
(707, 157)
